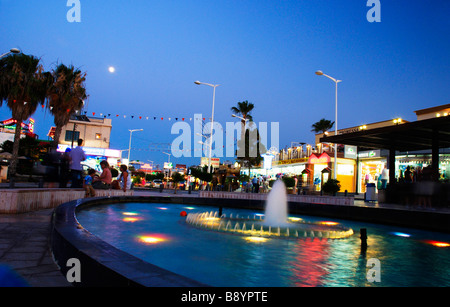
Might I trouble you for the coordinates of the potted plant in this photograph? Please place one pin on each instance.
(331, 187)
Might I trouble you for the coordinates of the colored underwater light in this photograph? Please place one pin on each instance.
(328, 223)
(437, 243)
(401, 234)
(130, 213)
(255, 239)
(294, 219)
(162, 208)
(130, 219)
(152, 239)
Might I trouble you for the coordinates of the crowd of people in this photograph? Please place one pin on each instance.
(67, 168)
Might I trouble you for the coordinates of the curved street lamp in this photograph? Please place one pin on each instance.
(320, 73)
(129, 146)
(12, 50)
(212, 119)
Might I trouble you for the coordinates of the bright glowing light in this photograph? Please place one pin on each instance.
(153, 239)
(255, 239)
(162, 208)
(328, 223)
(295, 219)
(130, 219)
(401, 234)
(130, 213)
(438, 244)
(189, 208)
(111, 69)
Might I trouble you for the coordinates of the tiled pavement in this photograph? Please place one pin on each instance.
(24, 249)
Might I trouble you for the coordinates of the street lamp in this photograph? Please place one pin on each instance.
(168, 155)
(241, 118)
(212, 119)
(129, 146)
(320, 73)
(12, 50)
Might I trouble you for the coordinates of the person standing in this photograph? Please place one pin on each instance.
(76, 156)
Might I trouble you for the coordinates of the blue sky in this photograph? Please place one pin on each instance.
(262, 51)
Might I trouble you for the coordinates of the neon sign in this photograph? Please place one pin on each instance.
(323, 158)
(31, 125)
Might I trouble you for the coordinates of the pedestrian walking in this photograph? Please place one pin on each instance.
(76, 156)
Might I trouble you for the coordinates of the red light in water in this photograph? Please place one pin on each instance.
(437, 243)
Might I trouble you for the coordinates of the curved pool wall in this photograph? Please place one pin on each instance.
(105, 265)
(102, 264)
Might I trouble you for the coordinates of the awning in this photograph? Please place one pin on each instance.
(418, 135)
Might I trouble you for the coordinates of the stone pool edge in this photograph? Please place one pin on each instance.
(103, 265)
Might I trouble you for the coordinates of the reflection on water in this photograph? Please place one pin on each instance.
(160, 235)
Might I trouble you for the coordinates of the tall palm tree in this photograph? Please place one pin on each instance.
(23, 86)
(65, 96)
(244, 109)
(248, 144)
(322, 125)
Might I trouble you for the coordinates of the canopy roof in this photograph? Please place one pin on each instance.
(418, 135)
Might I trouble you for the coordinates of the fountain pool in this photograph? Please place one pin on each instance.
(158, 234)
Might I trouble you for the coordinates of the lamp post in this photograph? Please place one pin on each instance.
(129, 146)
(212, 119)
(241, 118)
(320, 73)
(168, 155)
(12, 50)
(170, 169)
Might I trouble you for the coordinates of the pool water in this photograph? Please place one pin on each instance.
(158, 234)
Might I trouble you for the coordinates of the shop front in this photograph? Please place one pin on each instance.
(95, 155)
(371, 165)
(416, 164)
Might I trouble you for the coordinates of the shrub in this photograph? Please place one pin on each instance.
(331, 187)
(289, 182)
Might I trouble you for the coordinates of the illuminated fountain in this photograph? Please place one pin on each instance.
(275, 224)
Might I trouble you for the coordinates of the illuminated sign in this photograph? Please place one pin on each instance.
(268, 161)
(370, 154)
(350, 151)
(292, 161)
(168, 165)
(31, 125)
(215, 162)
(92, 151)
(323, 158)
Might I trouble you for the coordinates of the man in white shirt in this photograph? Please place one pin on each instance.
(77, 155)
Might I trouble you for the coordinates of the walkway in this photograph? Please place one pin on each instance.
(24, 249)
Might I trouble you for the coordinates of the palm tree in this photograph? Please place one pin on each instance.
(248, 144)
(322, 125)
(23, 86)
(65, 96)
(243, 109)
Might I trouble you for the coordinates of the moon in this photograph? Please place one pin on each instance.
(111, 69)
